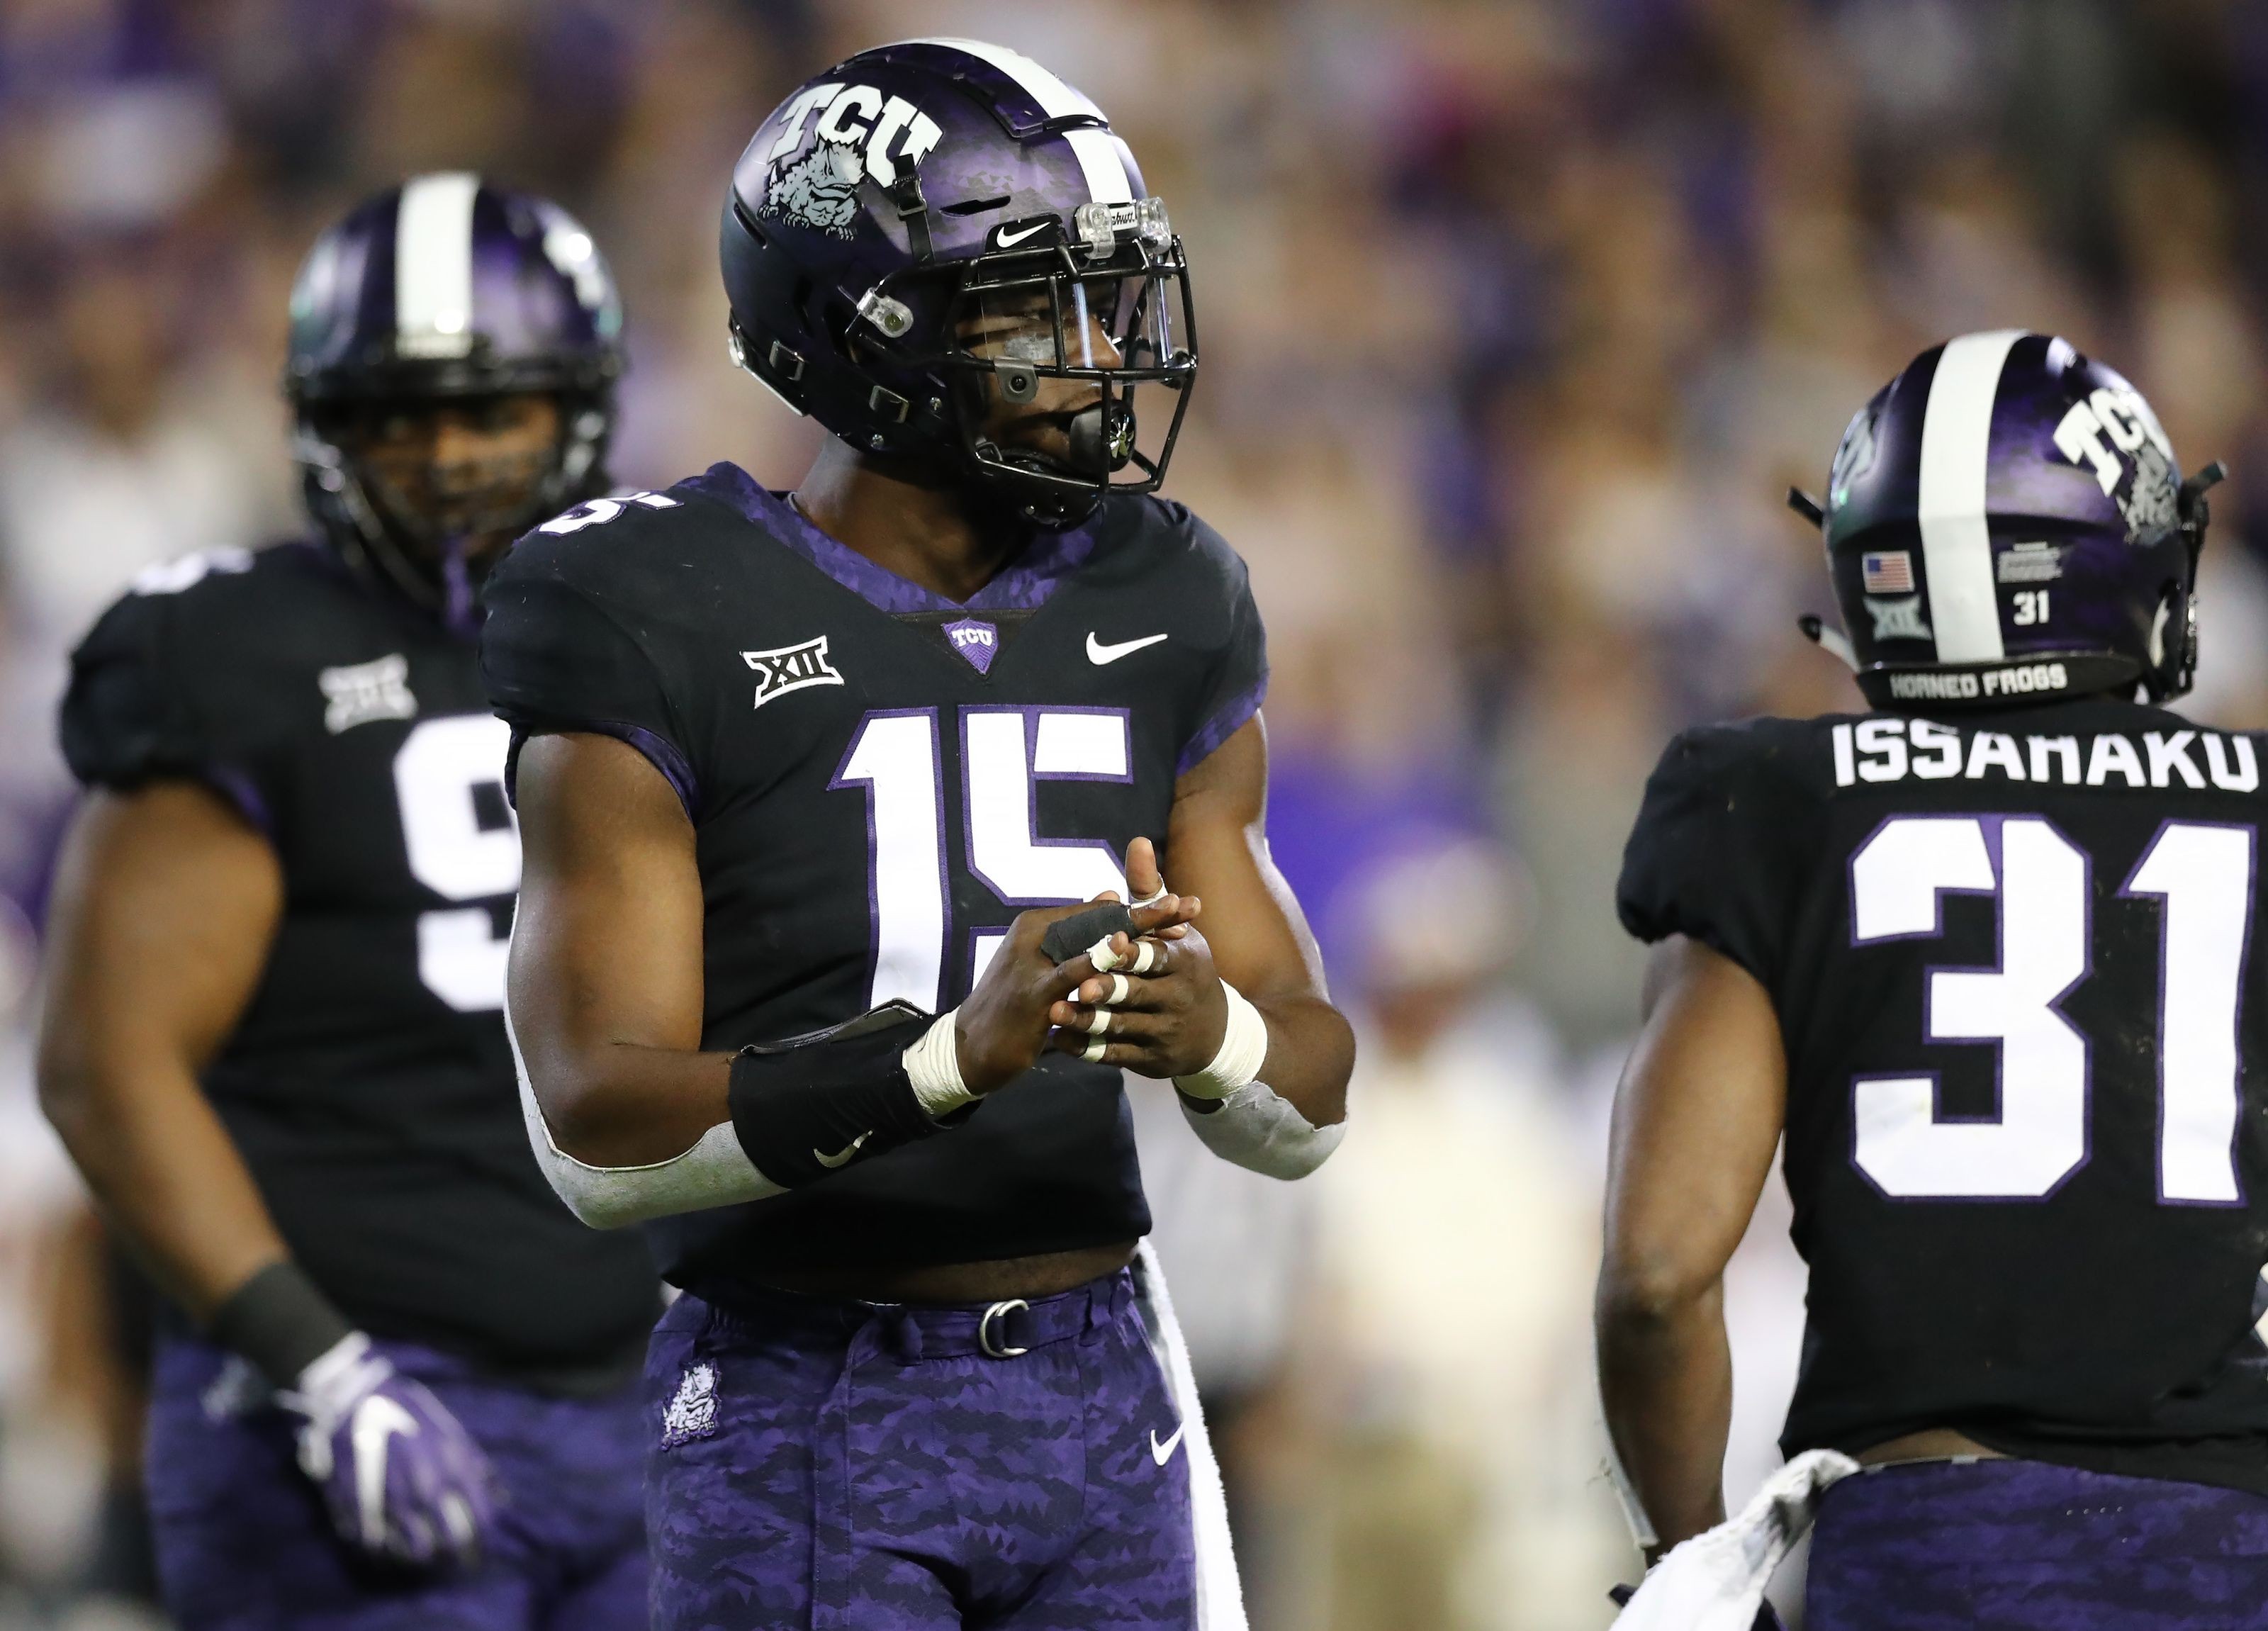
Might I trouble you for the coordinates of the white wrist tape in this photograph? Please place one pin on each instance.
(714, 1172)
(1259, 1130)
(1243, 1050)
(934, 1065)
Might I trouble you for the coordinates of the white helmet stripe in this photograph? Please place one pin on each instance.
(433, 265)
(1956, 548)
(1098, 159)
(1097, 151)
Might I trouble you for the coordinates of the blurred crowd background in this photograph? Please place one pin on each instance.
(1517, 320)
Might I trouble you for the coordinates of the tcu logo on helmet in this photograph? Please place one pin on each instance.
(861, 133)
(2148, 504)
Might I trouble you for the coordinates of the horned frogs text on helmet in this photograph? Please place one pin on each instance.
(2004, 521)
(449, 287)
(917, 194)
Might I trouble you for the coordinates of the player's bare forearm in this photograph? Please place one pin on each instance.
(606, 979)
(1249, 933)
(164, 908)
(1666, 1378)
(1696, 1118)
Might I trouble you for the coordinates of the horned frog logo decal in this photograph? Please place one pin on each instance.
(860, 133)
(820, 190)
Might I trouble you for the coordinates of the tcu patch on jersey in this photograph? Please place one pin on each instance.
(2015, 968)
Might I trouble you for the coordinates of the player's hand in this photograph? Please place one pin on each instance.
(1166, 1019)
(404, 1482)
(1001, 1027)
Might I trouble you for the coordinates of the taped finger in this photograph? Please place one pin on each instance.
(1094, 1052)
(1152, 898)
(1120, 988)
(1147, 954)
(1102, 958)
(1098, 1024)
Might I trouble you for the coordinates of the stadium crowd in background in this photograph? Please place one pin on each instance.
(1517, 320)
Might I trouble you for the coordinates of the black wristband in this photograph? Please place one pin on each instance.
(281, 1321)
(817, 1104)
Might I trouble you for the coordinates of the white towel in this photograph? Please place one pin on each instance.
(1220, 1596)
(1715, 1580)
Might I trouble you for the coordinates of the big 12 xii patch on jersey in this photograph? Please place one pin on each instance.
(878, 780)
(2015, 961)
(368, 1084)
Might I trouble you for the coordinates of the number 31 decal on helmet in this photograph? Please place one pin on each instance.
(2004, 521)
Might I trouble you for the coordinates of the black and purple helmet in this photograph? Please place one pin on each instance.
(917, 197)
(2006, 523)
(448, 287)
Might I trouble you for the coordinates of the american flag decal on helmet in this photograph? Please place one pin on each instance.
(1887, 571)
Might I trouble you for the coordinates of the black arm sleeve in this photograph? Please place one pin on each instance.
(130, 715)
(815, 1103)
(1716, 851)
(554, 659)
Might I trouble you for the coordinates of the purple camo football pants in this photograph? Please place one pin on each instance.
(244, 1543)
(2022, 1546)
(848, 1466)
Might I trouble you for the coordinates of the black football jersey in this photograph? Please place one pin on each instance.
(369, 1083)
(2016, 962)
(879, 779)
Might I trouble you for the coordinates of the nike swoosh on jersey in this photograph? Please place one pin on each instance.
(1009, 240)
(845, 1153)
(1098, 654)
(1162, 1453)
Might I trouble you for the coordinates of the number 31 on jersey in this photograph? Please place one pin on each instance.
(2200, 875)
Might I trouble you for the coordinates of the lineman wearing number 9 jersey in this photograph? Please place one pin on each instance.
(398, 1390)
(1990, 956)
(805, 780)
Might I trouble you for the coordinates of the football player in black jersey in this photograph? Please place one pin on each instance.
(806, 782)
(403, 1391)
(1988, 958)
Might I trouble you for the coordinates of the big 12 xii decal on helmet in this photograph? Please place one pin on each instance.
(942, 253)
(2005, 521)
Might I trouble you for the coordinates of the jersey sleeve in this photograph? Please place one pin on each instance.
(555, 656)
(1236, 682)
(130, 715)
(1714, 852)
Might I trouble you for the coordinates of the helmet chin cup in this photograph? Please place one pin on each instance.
(1102, 439)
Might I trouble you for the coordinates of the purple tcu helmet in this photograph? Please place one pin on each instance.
(930, 230)
(448, 287)
(2005, 522)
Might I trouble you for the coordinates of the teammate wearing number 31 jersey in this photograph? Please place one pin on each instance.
(808, 780)
(398, 1389)
(1990, 958)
